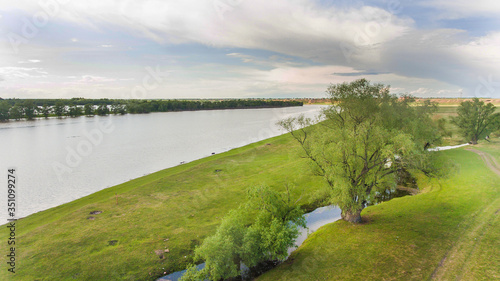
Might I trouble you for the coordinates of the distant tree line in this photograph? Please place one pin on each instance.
(28, 109)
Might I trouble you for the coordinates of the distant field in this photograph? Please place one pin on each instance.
(454, 102)
(457, 101)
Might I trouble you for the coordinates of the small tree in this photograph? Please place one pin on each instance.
(239, 240)
(476, 119)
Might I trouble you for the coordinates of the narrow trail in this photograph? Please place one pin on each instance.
(456, 261)
(488, 159)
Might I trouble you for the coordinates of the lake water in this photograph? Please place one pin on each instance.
(60, 160)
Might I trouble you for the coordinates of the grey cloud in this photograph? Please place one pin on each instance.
(363, 73)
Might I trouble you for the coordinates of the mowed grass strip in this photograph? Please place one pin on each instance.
(476, 256)
(173, 209)
(411, 238)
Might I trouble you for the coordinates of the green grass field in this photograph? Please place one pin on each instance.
(175, 209)
(448, 232)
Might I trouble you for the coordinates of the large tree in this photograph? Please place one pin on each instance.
(366, 136)
(476, 119)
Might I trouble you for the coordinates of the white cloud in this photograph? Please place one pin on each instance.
(296, 27)
(243, 57)
(464, 8)
(29, 61)
(12, 73)
(96, 79)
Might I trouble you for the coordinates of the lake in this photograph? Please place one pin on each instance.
(60, 160)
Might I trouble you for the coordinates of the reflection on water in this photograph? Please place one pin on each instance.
(387, 195)
(178, 274)
(315, 220)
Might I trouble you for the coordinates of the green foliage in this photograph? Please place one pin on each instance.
(476, 119)
(72, 107)
(224, 251)
(239, 239)
(118, 109)
(16, 112)
(366, 136)
(4, 110)
(192, 274)
(74, 110)
(88, 109)
(29, 109)
(59, 109)
(442, 127)
(45, 110)
(275, 227)
(102, 110)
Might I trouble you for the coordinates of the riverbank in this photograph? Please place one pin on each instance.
(449, 231)
(173, 209)
(61, 160)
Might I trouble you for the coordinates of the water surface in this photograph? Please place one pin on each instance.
(60, 160)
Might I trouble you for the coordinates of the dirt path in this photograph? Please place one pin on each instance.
(488, 159)
(456, 262)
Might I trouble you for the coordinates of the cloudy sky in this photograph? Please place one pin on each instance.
(243, 48)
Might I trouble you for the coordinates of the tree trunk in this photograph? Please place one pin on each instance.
(353, 216)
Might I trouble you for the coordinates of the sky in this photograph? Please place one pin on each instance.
(247, 49)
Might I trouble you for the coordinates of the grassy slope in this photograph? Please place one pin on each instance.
(451, 230)
(183, 204)
(476, 255)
